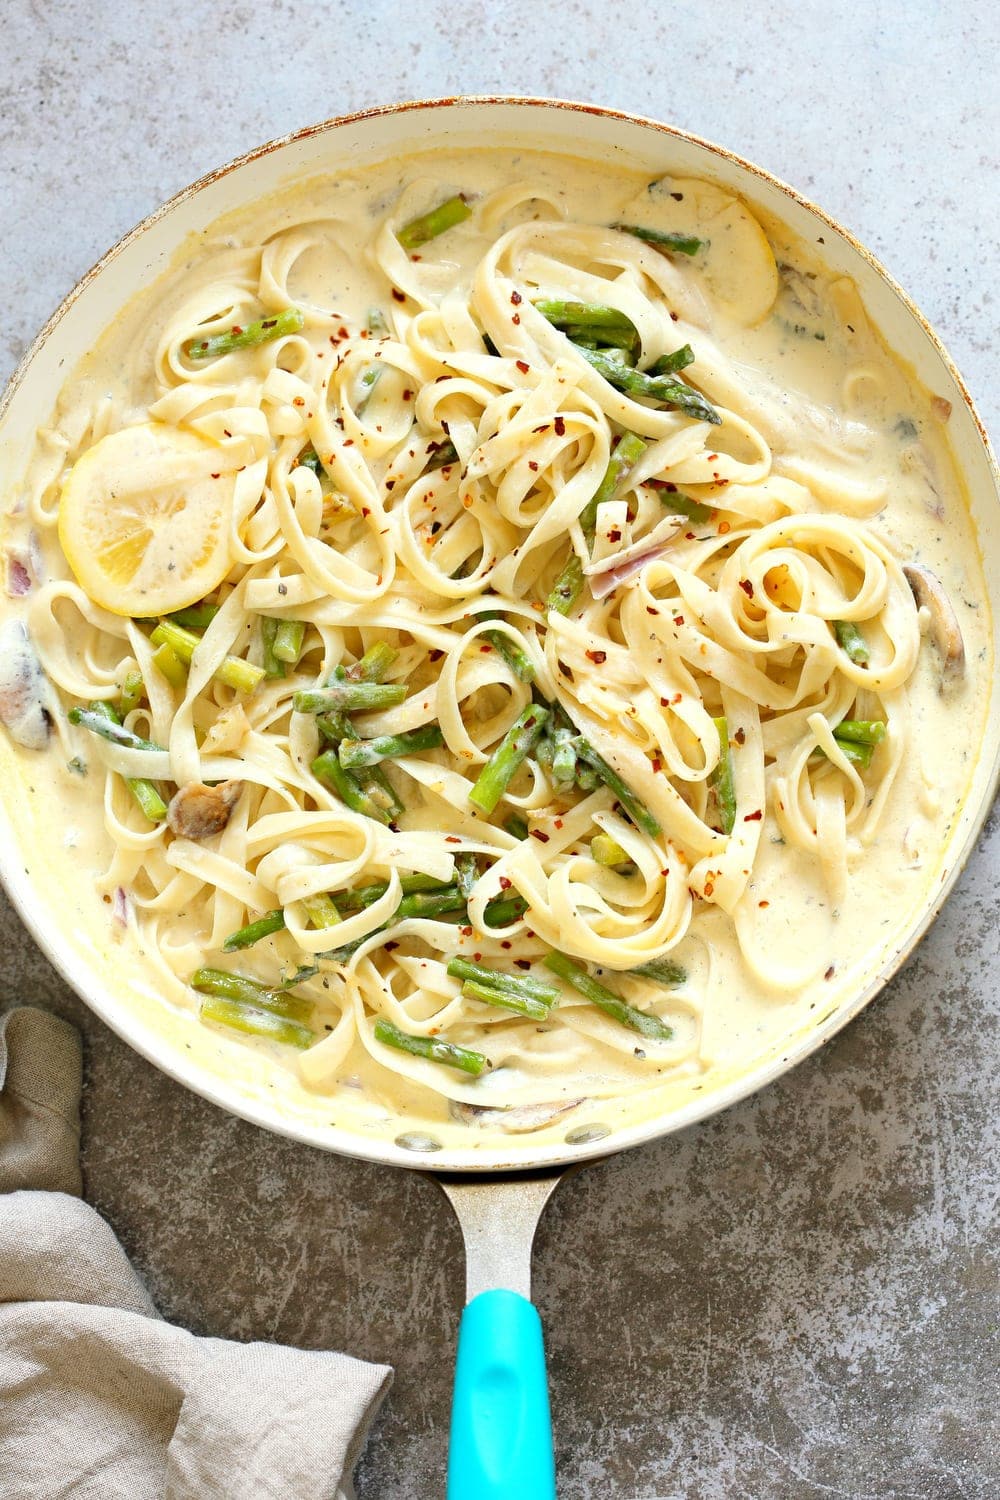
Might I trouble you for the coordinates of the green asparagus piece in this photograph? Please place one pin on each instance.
(428, 226)
(517, 984)
(662, 971)
(246, 991)
(366, 895)
(637, 811)
(665, 390)
(587, 314)
(169, 664)
(310, 459)
(851, 642)
(604, 850)
(99, 720)
(861, 731)
(239, 1016)
(587, 778)
(145, 793)
(288, 640)
(516, 827)
(466, 873)
(274, 921)
(563, 756)
(132, 692)
(513, 750)
(569, 584)
(514, 655)
(503, 910)
(321, 910)
(349, 697)
(858, 755)
(671, 496)
(680, 244)
(606, 1000)
(389, 746)
(289, 320)
(327, 768)
(232, 670)
(721, 779)
(431, 1047)
(376, 324)
(373, 666)
(442, 455)
(198, 617)
(147, 798)
(507, 1000)
(268, 635)
(670, 364)
(430, 903)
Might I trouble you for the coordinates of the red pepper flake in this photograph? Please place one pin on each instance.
(465, 931)
(709, 887)
(941, 408)
(516, 299)
(740, 736)
(754, 817)
(236, 328)
(829, 973)
(227, 432)
(216, 476)
(348, 442)
(516, 318)
(651, 611)
(522, 963)
(506, 943)
(678, 619)
(544, 428)
(597, 657)
(724, 527)
(523, 366)
(391, 946)
(452, 839)
(407, 394)
(532, 466)
(298, 400)
(434, 654)
(536, 833)
(390, 484)
(763, 903)
(614, 535)
(485, 648)
(505, 884)
(365, 511)
(398, 296)
(560, 427)
(747, 587)
(665, 873)
(675, 317)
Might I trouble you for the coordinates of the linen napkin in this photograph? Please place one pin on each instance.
(100, 1398)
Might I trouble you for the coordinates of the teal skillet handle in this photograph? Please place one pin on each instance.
(501, 1431)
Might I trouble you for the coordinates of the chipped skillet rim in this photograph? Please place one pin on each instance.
(499, 1159)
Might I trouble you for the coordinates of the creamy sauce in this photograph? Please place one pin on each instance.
(840, 418)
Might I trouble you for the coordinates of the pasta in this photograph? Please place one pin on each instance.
(477, 660)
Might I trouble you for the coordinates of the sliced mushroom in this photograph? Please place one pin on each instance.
(199, 812)
(24, 691)
(517, 1120)
(945, 630)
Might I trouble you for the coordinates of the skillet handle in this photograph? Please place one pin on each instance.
(501, 1431)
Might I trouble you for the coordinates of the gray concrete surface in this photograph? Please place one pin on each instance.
(797, 1299)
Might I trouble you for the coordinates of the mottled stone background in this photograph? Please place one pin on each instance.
(797, 1299)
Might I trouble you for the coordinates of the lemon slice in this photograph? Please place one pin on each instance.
(144, 519)
(737, 262)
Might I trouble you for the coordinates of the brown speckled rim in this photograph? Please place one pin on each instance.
(524, 1159)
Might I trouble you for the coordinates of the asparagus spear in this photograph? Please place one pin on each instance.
(132, 692)
(442, 455)
(366, 895)
(503, 910)
(289, 320)
(376, 324)
(516, 984)
(660, 388)
(662, 971)
(428, 226)
(851, 642)
(273, 921)
(637, 811)
(321, 910)
(516, 658)
(671, 496)
(198, 617)
(430, 903)
(680, 244)
(721, 779)
(604, 850)
(246, 991)
(349, 697)
(232, 670)
(99, 721)
(240, 1016)
(374, 665)
(310, 459)
(861, 731)
(268, 634)
(288, 640)
(169, 664)
(563, 756)
(466, 873)
(670, 364)
(606, 1000)
(327, 768)
(515, 826)
(585, 314)
(389, 746)
(512, 751)
(431, 1047)
(507, 1000)
(625, 456)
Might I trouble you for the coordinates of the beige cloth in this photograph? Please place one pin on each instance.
(99, 1397)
